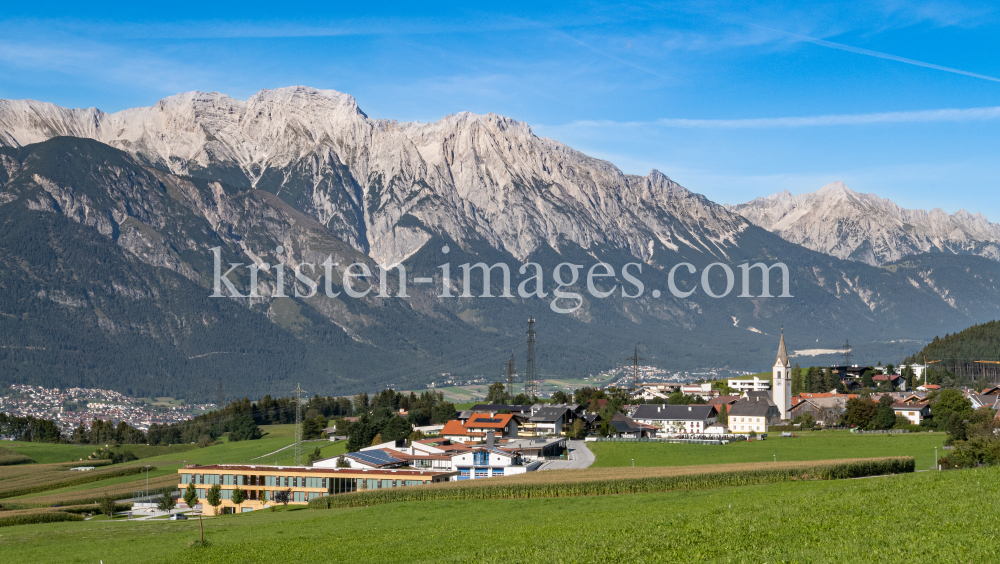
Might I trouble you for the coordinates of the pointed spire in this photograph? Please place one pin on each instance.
(782, 353)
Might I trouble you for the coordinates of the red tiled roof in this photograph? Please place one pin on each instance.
(453, 427)
(483, 421)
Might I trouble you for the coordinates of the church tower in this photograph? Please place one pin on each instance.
(782, 380)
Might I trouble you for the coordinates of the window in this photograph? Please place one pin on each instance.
(498, 471)
(270, 481)
(185, 478)
(227, 479)
(386, 483)
(227, 494)
(299, 496)
(482, 472)
(481, 458)
(211, 478)
(201, 493)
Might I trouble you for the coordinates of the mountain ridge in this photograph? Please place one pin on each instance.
(336, 183)
(843, 223)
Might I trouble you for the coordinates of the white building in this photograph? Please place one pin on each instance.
(781, 375)
(676, 419)
(755, 385)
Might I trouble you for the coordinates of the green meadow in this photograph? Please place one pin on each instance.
(809, 445)
(913, 518)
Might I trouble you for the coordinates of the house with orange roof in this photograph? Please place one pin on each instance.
(478, 425)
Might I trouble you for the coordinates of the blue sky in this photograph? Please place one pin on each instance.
(733, 100)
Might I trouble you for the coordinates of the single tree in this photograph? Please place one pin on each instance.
(191, 499)
(107, 506)
(262, 498)
(377, 440)
(166, 502)
(723, 418)
(560, 397)
(283, 497)
(497, 394)
(239, 496)
(342, 462)
(214, 498)
(314, 456)
(191, 496)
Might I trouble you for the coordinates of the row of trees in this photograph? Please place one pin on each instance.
(29, 429)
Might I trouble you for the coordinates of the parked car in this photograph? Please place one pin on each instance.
(178, 517)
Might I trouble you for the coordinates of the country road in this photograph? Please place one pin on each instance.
(579, 457)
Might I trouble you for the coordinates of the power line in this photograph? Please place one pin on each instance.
(298, 424)
(530, 386)
(635, 358)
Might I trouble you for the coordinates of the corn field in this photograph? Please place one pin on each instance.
(36, 478)
(611, 481)
(89, 496)
(9, 457)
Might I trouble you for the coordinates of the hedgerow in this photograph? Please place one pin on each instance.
(34, 518)
(610, 481)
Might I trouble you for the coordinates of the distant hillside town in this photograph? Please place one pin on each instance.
(72, 406)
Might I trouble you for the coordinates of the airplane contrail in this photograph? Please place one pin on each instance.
(879, 54)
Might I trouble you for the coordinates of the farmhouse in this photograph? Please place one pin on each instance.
(672, 419)
(754, 413)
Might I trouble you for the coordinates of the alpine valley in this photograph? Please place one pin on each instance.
(109, 221)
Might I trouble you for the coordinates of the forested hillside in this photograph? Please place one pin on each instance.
(973, 353)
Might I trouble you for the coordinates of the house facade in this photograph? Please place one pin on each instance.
(303, 483)
(676, 419)
(915, 412)
(754, 413)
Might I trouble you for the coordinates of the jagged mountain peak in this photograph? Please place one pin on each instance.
(839, 221)
(466, 176)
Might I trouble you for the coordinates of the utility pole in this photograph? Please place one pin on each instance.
(635, 358)
(510, 376)
(529, 369)
(298, 391)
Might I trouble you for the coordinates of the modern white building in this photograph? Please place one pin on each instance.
(755, 385)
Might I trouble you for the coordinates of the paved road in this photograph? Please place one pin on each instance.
(579, 457)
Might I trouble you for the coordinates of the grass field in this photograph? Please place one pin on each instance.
(914, 518)
(166, 460)
(820, 445)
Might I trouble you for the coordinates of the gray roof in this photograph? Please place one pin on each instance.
(782, 353)
(756, 404)
(624, 424)
(657, 412)
(549, 414)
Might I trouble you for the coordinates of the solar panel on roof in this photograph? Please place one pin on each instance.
(374, 457)
(493, 420)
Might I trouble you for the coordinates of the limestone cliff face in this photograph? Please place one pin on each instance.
(841, 222)
(466, 176)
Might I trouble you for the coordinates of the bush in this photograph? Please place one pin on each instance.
(35, 518)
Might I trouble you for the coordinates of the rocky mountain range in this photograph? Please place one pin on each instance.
(111, 221)
(841, 222)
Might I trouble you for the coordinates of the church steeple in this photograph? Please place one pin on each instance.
(781, 380)
(782, 353)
